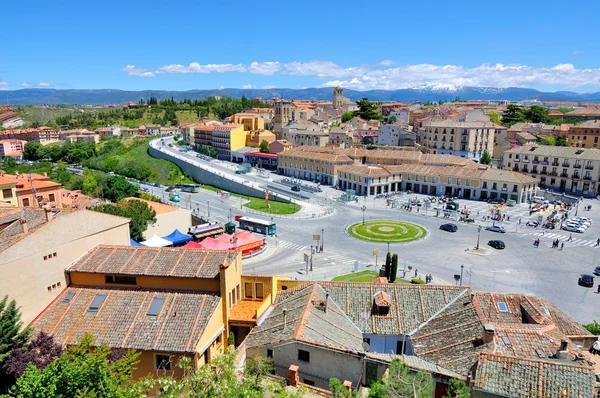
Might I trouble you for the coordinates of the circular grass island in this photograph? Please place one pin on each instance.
(387, 231)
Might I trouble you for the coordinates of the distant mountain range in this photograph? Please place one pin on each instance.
(425, 93)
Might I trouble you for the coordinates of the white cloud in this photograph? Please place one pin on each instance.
(486, 75)
(221, 87)
(387, 62)
(267, 87)
(44, 84)
(195, 67)
(577, 52)
(247, 86)
(133, 70)
(322, 69)
(264, 68)
(4, 85)
(25, 84)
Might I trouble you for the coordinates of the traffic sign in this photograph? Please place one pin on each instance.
(376, 252)
(316, 237)
(306, 258)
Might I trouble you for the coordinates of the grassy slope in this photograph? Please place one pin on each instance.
(362, 276)
(259, 204)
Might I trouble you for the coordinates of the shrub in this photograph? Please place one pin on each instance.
(417, 281)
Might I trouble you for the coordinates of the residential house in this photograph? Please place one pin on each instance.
(44, 135)
(402, 115)
(108, 131)
(8, 191)
(250, 121)
(36, 245)
(395, 135)
(166, 303)
(351, 331)
(585, 135)
(12, 148)
(91, 138)
(279, 146)
(152, 129)
(341, 137)
(306, 137)
(565, 169)
(256, 137)
(63, 134)
(35, 190)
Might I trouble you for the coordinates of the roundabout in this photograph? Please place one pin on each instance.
(387, 231)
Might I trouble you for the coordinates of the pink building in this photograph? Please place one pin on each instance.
(13, 148)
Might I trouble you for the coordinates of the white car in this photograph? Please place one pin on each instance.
(579, 222)
(585, 219)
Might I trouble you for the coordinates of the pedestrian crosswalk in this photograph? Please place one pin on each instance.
(575, 241)
(337, 259)
(333, 259)
(291, 246)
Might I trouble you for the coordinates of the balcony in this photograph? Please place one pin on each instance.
(543, 172)
(525, 170)
(534, 171)
(553, 173)
(525, 160)
(565, 165)
(545, 163)
(516, 168)
(535, 161)
(575, 176)
(564, 174)
(588, 178)
(554, 163)
(577, 165)
(589, 167)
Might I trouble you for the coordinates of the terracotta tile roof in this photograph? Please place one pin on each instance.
(122, 320)
(307, 321)
(150, 261)
(159, 208)
(415, 363)
(525, 378)
(558, 151)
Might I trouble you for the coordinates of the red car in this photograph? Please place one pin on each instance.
(586, 280)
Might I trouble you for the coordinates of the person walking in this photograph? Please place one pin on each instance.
(598, 292)
(570, 238)
(562, 245)
(598, 243)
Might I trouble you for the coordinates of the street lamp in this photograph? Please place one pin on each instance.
(388, 247)
(208, 203)
(363, 208)
(478, 233)
(322, 239)
(462, 267)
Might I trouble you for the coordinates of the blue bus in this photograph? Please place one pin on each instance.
(257, 225)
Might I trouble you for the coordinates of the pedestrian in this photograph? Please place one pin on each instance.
(598, 288)
(562, 245)
(598, 243)
(519, 220)
(507, 218)
(570, 238)
(416, 272)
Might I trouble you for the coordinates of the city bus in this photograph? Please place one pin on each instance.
(257, 225)
(193, 188)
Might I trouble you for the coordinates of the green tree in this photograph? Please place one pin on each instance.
(561, 141)
(338, 390)
(264, 146)
(140, 214)
(83, 370)
(546, 140)
(367, 110)
(393, 269)
(402, 382)
(347, 116)
(564, 110)
(388, 264)
(494, 117)
(485, 158)
(30, 150)
(513, 114)
(12, 337)
(257, 366)
(116, 188)
(90, 184)
(593, 328)
(537, 114)
(392, 119)
(458, 389)
(231, 338)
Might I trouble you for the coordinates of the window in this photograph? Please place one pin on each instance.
(155, 306)
(309, 382)
(269, 353)
(163, 362)
(259, 290)
(68, 297)
(505, 340)
(303, 356)
(97, 302)
(49, 288)
(25, 202)
(123, 280)
(248, 290)
(51, 197)
(57, 284)
(7, 193)
(502, 306)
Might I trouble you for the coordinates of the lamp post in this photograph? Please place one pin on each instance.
(208, 203)
(322, 239)
(363, 208)
(478, 233)
(388, 247)
(462, 267)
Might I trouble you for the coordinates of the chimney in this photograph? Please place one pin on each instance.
(284, 318)
(48, 211)
(562, 352)
(23, 222)
(488, 333)
(326, 301)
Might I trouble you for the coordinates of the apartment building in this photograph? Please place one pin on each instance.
(35, 190)
(8, 191)
(108, 131)
(36, 245)
(313, 166)
(468, 182)
(341, 137)
(43, 135)
(307, 137)
(395, 135)
(166, 303)
(250, 121)
(565, 169)
(12, 148)
(584, 135)
(89, 138)
(223, 137)
(464, 139)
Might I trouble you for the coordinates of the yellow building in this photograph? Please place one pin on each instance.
(223, 137)
(163, 302)
(8, 191)
(250, 121)
(254, 138)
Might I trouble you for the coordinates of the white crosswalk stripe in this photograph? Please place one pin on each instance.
(574, 242)
(290, 245)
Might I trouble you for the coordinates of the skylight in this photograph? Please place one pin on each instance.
(502, 306)
(506, 340)
(540, 353)
(155, 306)
(545, 310)
(68, 297)
(97, 302)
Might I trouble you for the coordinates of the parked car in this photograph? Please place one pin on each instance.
(586, 219)
(597, 270)
(497, 244)
(496, 228)
(449, 227)
(296, 188)
(586, 280)
(497, 201)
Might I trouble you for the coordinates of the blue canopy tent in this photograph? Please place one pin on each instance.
(134, 243)
(177, 238)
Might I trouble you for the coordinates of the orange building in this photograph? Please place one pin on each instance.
(165, 303)
(36, 190)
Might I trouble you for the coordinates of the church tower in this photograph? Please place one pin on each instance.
(338, 97)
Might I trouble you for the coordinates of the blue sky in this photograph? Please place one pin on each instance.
(548, 45)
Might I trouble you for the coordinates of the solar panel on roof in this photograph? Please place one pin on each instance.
(97, 302)
(68, 297)
(155, 306)
(506, 340)
(502, 306)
